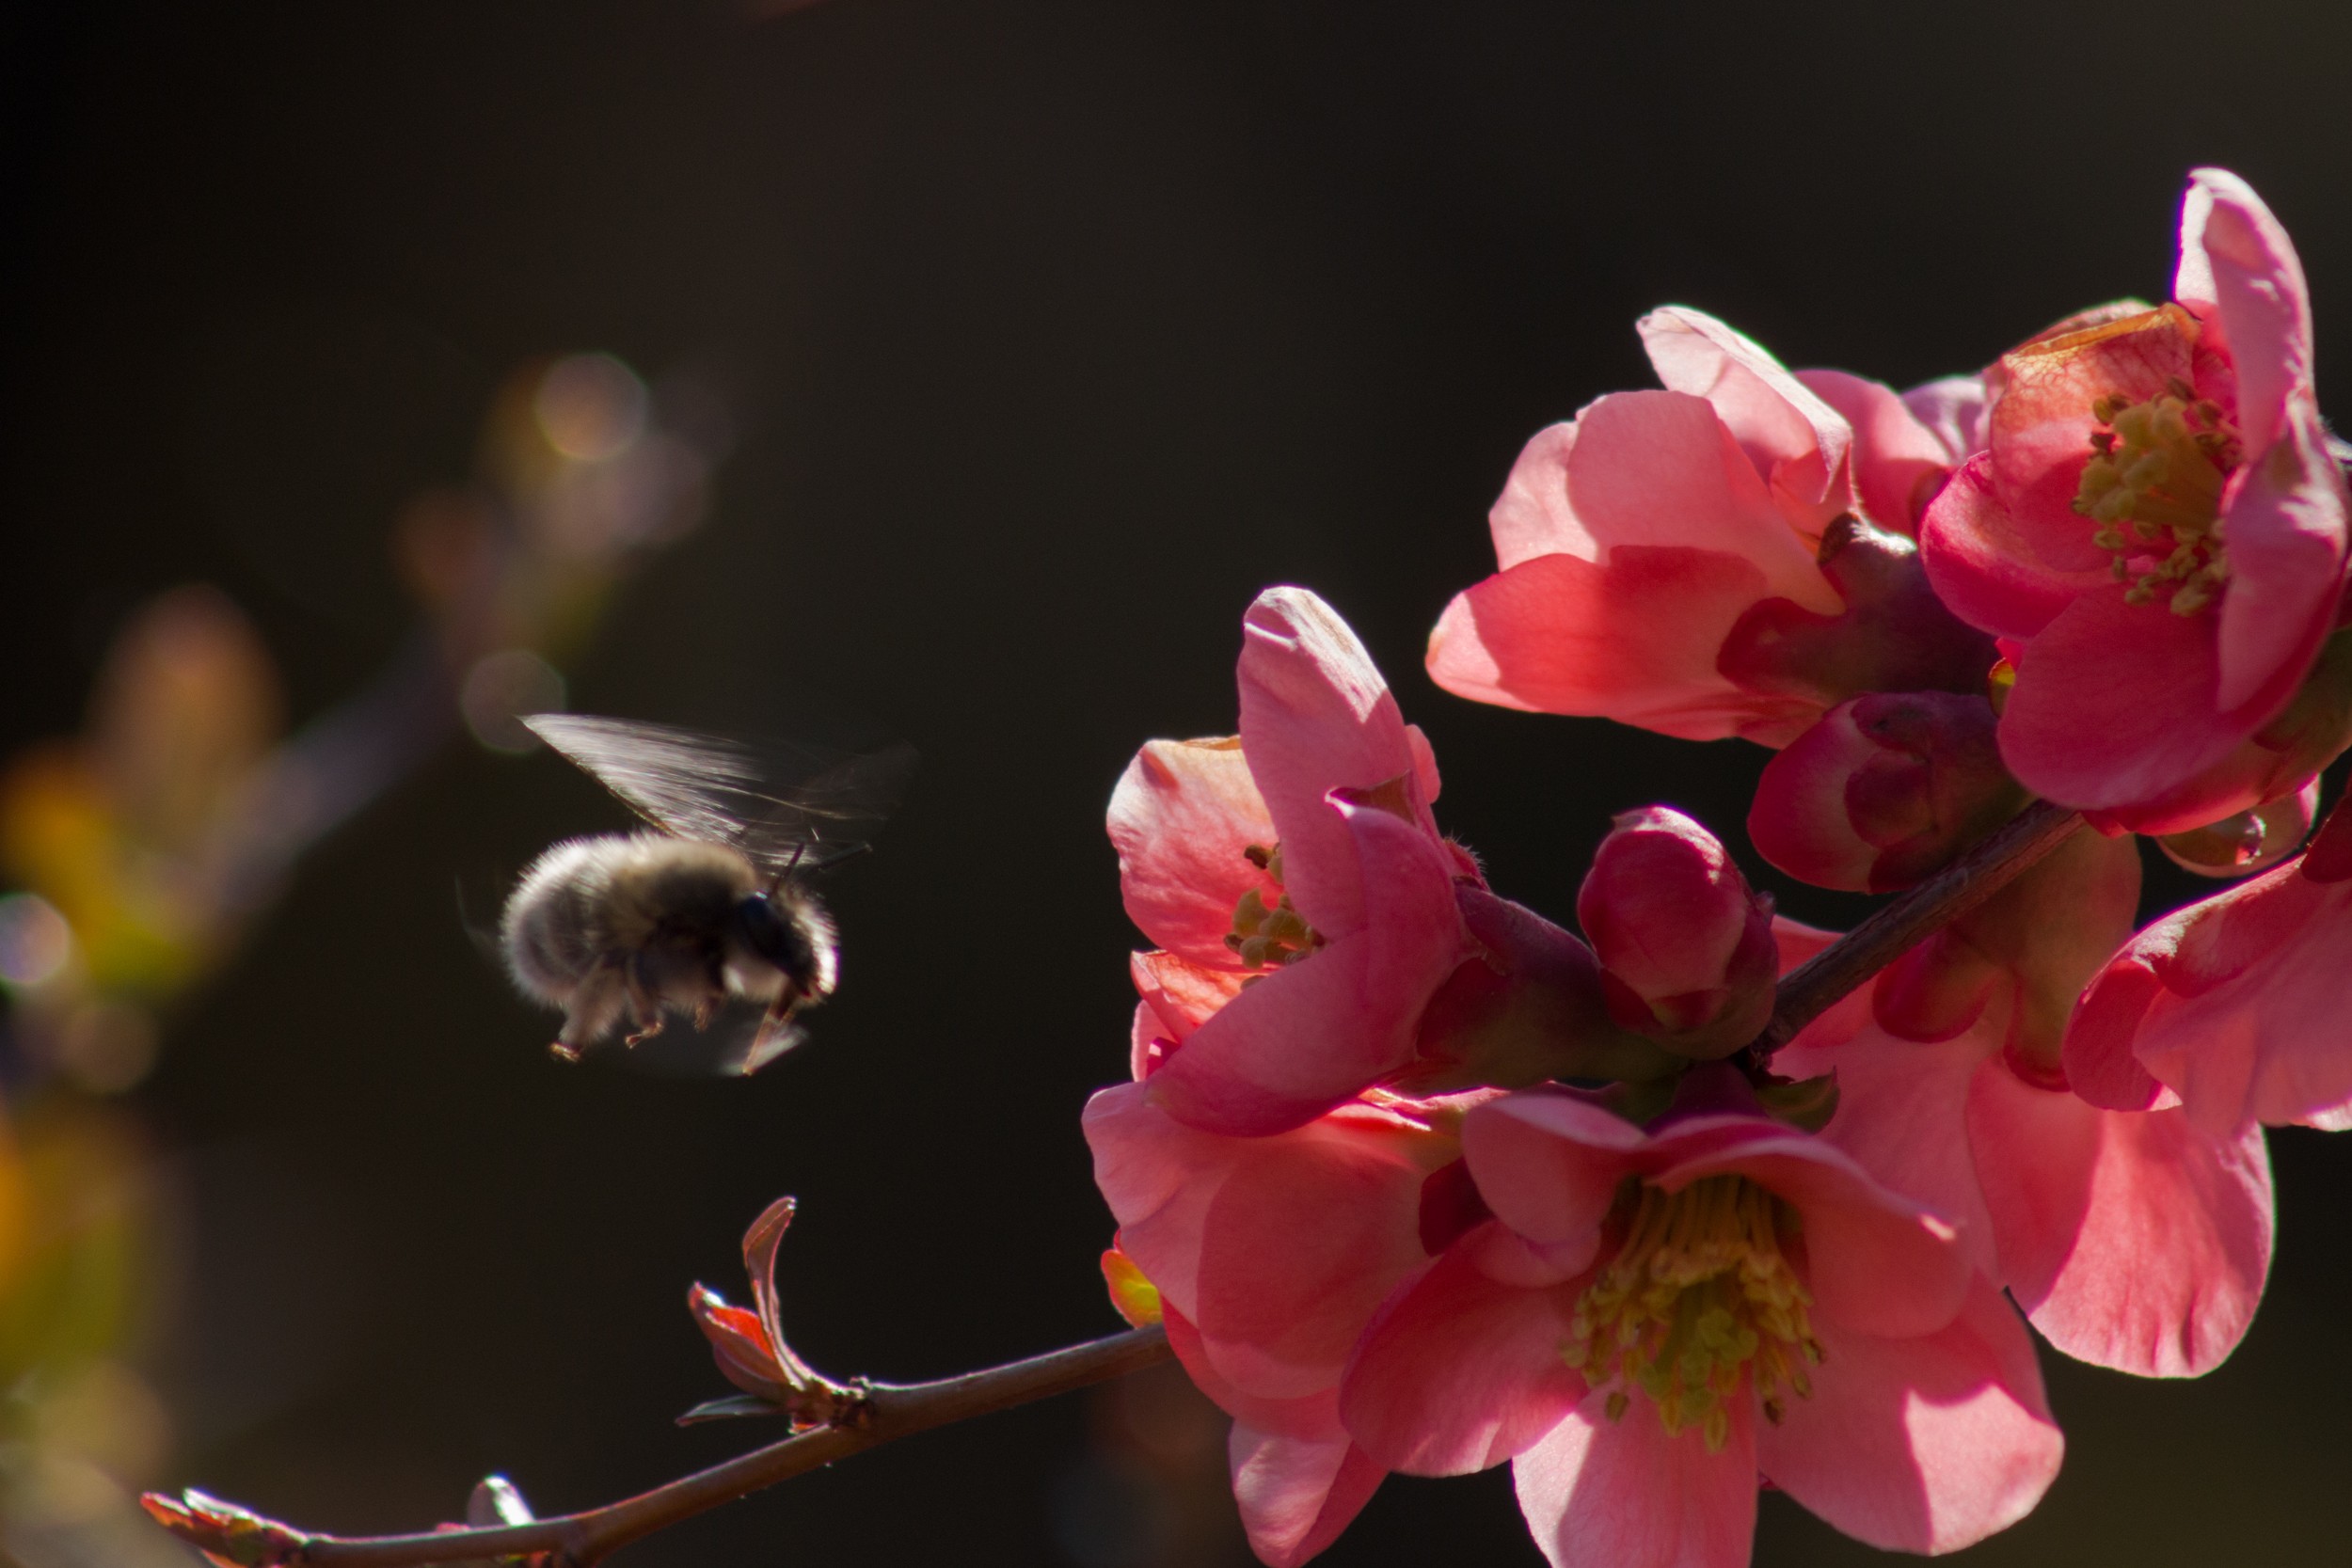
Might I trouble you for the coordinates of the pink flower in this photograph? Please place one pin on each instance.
(2159, 530)
(1654, 1319)
(1728, 556)
(2233, 1007)
(1270, 1254)
(1317, 934)
(1298, 889)
(2133, 1239)
(1685, 944)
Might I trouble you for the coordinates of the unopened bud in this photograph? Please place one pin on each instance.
(1894, 635)
(1884, 791)
(1531, 1007)
(1685, 944)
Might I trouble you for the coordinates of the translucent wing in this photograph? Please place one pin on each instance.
(785, 807)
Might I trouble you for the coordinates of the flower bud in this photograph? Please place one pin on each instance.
(1532, 1007)
(1685, 944)
(1883, 791)
(1894, 635)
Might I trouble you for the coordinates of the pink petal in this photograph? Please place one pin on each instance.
(1660, 469)
(2236, 255)
(1902, 1115)
(1180, 818)
(1897, 461)
(1296, 1496)
(1635, 640)
(1982, 565)
(1148, 1042)
(1278, 1249)
(1316, 717)
(1309, 1419)
(2042, 422)
(2284, 520)
(1459, 1373)
(1602, 1493)
(1183, 996)
(2100, 1062)
(1531, 517)
(2130, 1238)
(1956, 408)
(1311, 1034)
(2251, 1021)
(1798, 819)
(1795, 439)
(1876, 1262)
(1548, 1164)
(1297, 1252)
(1921, 1445)
(1799, 942)
(2114, 704)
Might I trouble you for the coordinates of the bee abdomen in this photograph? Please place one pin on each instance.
(589, 903)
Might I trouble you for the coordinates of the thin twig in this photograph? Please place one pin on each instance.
(1821, 981)
(890, 1411)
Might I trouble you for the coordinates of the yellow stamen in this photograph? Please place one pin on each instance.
(2154, 487)
(1268, 937)
(1696, 1306)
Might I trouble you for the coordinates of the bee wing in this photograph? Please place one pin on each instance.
(785, 807)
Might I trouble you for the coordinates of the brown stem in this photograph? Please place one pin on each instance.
(892, 1411)
(1821, 981)
(889, 1411)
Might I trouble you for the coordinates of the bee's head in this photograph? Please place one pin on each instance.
(791, 933)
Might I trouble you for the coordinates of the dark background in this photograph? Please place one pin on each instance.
(1057, 330)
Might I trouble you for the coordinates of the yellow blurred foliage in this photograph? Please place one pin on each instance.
(122, 830)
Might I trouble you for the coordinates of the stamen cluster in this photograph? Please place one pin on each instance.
(1269, 938)
(1697, 1293)
(2153, 483)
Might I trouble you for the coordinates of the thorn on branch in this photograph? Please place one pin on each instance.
(752, 1353)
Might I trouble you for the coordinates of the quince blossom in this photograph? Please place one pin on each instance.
(2158, 533)
(1654, 1319)
(1728, 556)
(1270, 1254)
(1317, 934)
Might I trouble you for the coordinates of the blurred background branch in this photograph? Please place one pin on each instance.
(142, 850)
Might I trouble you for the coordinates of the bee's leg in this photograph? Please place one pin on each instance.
(594, 1007)
(777, 1033)
(644, 1004)
(714, 988)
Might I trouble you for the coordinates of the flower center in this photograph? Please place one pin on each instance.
(1269, 938)
(1697, 1298)
(2153, 486)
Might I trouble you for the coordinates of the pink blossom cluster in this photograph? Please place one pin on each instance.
(1421, 1181)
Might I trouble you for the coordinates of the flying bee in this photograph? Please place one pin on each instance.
(714, 908)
